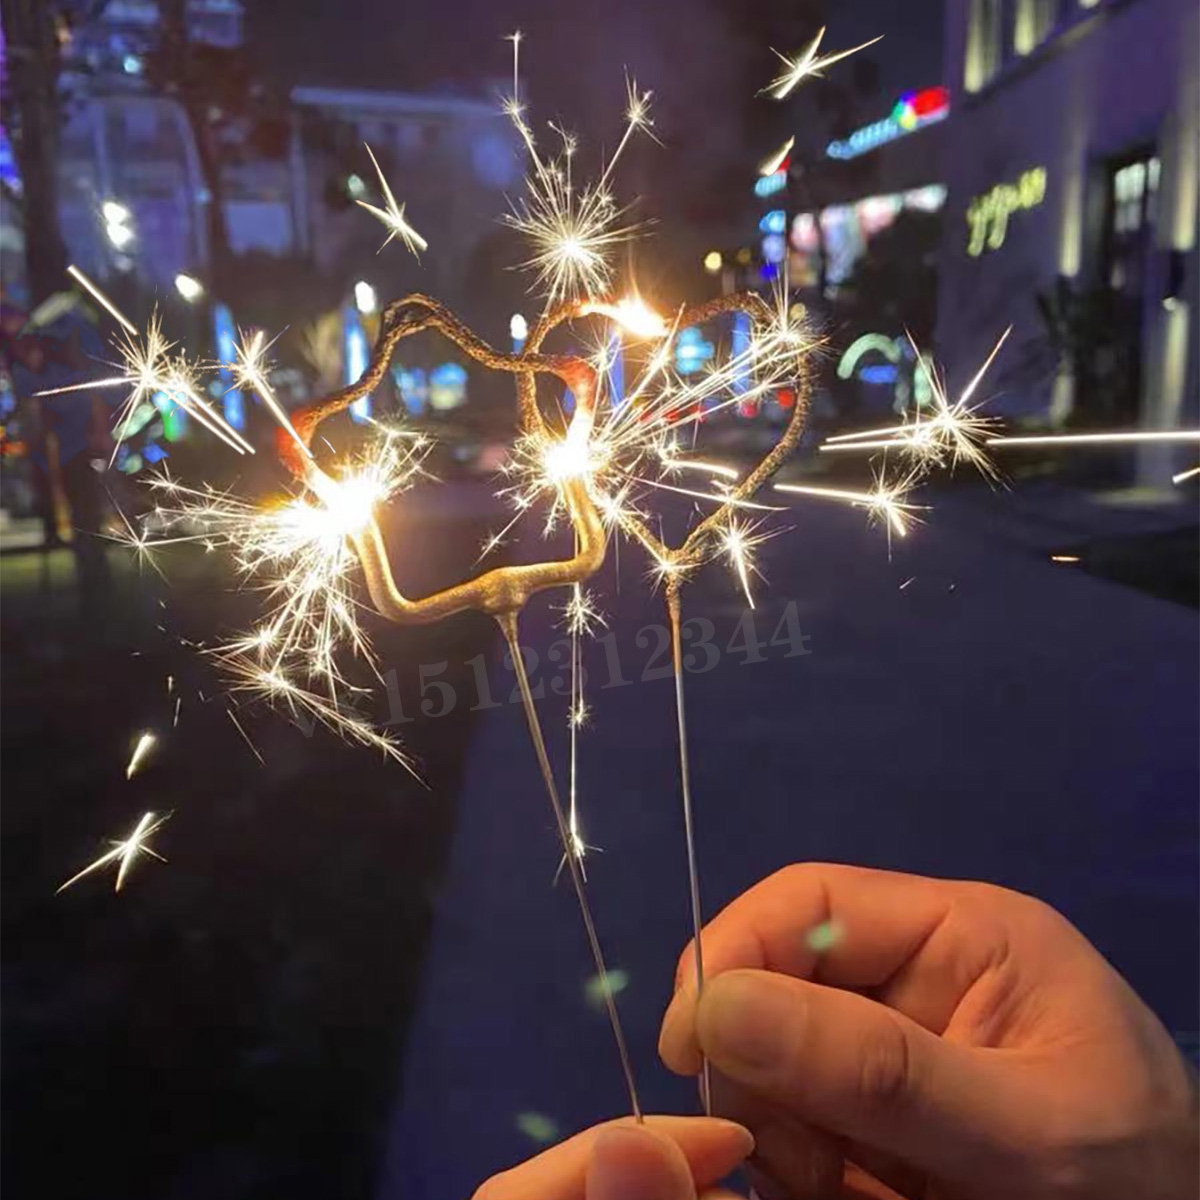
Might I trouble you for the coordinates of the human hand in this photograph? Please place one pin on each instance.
(951, 1039)
(667, 1158)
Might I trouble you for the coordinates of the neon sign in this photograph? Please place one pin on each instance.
(987, 215)
(768, 185)
(908, 386)
(913, 111)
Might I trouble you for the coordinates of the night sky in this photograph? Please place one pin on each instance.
(704, 59)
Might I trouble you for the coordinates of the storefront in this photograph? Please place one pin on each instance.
(1071, 167)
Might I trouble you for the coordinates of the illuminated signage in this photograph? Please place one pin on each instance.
(768, 185)
(692, 350)
(232, 402)
(774, 248)
(908, 386)
(987, 215)
(355, 355)
(913, 111)
(447, 386)
(773, 222)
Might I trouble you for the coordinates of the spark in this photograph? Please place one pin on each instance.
(633, 316)
(774, 162)
(245, 736)
(1116, 437)
(250, 371)
(884, 500)
(739, 540)
(572, 231)
(124, 851)
(299, 551)
(954, 430)
(580, 612)
(147, 368)
(392, 216)
(145, 744)
(515, 37)
(1064, 558)
(103, 300)
(1190, 473)
(807, 64)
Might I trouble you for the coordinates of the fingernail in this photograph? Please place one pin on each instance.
(676, 1039)
(627, 1163)
(739, 1021)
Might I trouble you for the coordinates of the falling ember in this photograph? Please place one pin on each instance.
(1064, 558)
(774, 162)
(1190, 473)
(145, 744)
(807, 65)
(124, 852)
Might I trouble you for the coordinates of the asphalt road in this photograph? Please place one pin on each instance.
(267, 1013)
(967, 708)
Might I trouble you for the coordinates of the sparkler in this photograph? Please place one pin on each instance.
(124, 852)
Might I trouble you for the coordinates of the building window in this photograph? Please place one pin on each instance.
(984, 43)
(1133, 191)
(1035, 21)
(1128, 246)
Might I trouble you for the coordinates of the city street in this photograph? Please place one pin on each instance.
(968, 709)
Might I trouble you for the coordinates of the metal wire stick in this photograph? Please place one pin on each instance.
(508, 623)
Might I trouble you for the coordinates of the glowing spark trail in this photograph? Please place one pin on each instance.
(145, 744)
(148, 369)
(124, 852)
(807, 64)
(392, 216)
(250, 371)
(1190, 473)
(1098, 439)
(884, 500)
(955, 431)
(775, 162)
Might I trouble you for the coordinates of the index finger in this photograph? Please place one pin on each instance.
(833, 924)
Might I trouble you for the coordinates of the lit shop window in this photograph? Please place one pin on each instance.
(1132, 195)
(848, 228)
(984, 43)
(1034, 23)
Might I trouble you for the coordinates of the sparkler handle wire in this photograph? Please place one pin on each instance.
(508, 623)
(674, 612)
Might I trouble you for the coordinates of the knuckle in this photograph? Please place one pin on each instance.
(884, 1069)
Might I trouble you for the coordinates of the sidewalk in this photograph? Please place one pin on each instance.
(967, 709)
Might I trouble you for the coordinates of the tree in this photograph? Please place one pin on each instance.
(33, 30)
(229, 114)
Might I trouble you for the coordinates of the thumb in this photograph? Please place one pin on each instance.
(853, 1067)
(629, 1162)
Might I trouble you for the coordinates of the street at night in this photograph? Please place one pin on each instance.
(486, 496)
